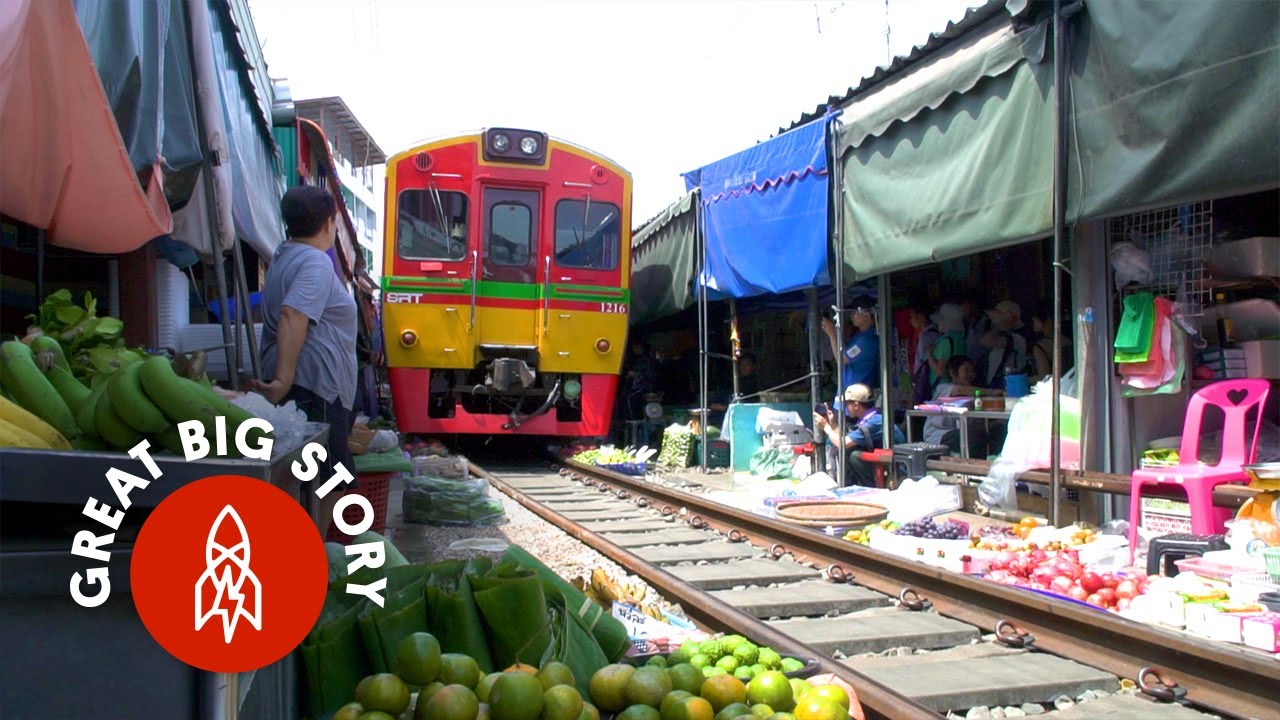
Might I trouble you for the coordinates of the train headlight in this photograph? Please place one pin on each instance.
(500, 143)
(602, 346)
(572, 389)
(408, 338)
(529, 145)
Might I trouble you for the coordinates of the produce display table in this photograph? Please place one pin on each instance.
(984, 415)
(101, 662)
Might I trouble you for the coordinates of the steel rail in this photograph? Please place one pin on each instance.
(878, 701)
(1221, 678)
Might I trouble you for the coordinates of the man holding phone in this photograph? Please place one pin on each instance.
(867, 433)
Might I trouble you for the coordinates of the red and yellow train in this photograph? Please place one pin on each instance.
(505, 288)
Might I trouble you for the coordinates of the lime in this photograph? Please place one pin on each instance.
(834, 693)
(639, 712)
(350, 711)
(609, 687)
(561, 702)
(732, 711)
(728, 663)
(648, 686)
(657, 661)
(517, 695)
(690, 708)
(791, 665)
(486, 686)
(417, 659)
(746, 654)
(385, 692)
(686, 677)
(451, 702)
(769, 658)
(744, 673)
(771, 688)
(555, 673)
(458, 669)
(699, 660)
(817, 708)
(722, 691)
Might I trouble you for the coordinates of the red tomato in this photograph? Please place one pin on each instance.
(1094, 600)
(1091, 582)
(1077, 593)
(1062, 585)
(1127, 590)
(1108, 595)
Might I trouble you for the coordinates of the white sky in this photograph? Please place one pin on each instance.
(660, 86)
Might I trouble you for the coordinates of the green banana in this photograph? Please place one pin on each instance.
(73, 392)
(133, 404)
(32, 390)
(111, 427)
(49, 344)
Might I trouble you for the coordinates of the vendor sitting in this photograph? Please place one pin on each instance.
(866, 434)
(961, 381)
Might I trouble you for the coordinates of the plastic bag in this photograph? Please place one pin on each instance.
(1029, 445)
(454, 468)
(1130, 264)
(442, 501)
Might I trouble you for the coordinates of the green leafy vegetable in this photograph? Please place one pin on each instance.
(93, 345)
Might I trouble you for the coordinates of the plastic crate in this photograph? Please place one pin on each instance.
(717, 453)
(377, 488)
(1272, 557)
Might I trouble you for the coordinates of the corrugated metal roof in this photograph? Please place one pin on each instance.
(333, 111)
(886, 73)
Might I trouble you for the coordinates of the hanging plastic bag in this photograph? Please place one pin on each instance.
(1028, 444)
(1130, 264)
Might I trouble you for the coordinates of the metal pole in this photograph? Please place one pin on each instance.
(1059, 229)
(242, 288)
(231, 343)
(815, 388)
(837, 182)
(703, 330)
(735, 344)
(884, 330)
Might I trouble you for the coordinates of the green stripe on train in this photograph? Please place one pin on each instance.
(503, 290)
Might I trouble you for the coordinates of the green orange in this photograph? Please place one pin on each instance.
(561, 702)
(385, 692)
(608, 686)
(417, 659)
(451, 702)
(517, 695)
(722, 691)
(771, 688)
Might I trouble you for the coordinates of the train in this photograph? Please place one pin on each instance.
(505, 285)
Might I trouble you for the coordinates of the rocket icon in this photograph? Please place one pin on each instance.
(228, 587)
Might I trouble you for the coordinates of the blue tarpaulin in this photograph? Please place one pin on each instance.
(765, 213)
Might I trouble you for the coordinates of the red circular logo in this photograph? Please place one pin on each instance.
(229, 574)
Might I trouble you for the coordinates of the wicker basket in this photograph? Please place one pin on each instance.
(831, 513)
(377, 488)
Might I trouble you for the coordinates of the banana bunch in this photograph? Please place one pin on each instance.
(143, 399)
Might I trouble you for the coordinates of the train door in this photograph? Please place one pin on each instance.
(587, 295)
(508, 268)
(429, 291)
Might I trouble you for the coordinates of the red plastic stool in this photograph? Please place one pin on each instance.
(881, 457)
(377, 488)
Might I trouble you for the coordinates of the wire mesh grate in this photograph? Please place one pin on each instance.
(1178, 240)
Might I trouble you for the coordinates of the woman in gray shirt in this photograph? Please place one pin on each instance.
(309, 328)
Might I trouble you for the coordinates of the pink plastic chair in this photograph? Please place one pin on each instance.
(1235, 398)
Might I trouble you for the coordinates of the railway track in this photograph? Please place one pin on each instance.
(870, 617)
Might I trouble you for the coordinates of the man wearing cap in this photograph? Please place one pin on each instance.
(867, 433)
(862, 354)
(1006, 317)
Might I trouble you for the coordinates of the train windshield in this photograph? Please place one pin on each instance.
(588, 234)
(431, 225)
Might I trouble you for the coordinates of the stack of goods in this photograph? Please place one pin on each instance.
(677, 447)
(441, 491)
(653, 624)
(445, 629)
(627, 462)
(372, 436)
(1150, 347)
(73, 384)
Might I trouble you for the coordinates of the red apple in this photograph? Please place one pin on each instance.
(1091, 582)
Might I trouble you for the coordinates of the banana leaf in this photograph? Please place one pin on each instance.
(403, 613)
(571, 640)
(452, 615)
(333, 656)
(514, 609)
(607, 630)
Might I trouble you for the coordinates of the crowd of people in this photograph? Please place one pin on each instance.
(958, 349)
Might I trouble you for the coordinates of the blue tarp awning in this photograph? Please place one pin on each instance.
(765, 213)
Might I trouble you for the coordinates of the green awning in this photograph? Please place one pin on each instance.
(1173, 102)
(663, 255)
(973, 174)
